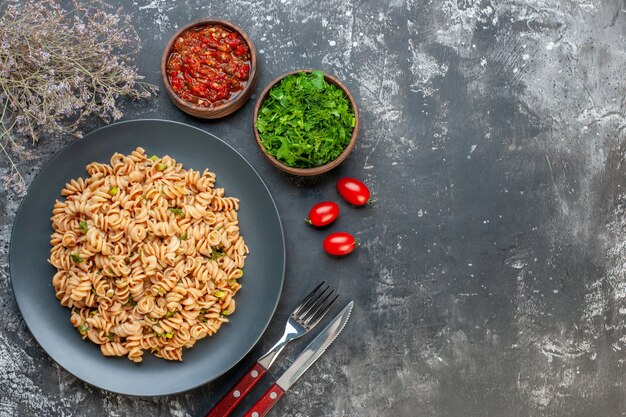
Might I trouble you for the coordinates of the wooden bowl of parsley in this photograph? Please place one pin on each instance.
(306, 122)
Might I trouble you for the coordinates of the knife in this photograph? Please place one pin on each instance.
(310, 354)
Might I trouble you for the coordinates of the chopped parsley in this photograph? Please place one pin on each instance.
(177, 211)
(169, 314)
(83, 227)
(183, 237)
(219, 294)
(305, 121)
(154, 158)
(113, 190)
(202, 313)
(82, 329)
(76, 257)
(216, 254)
(161, 167)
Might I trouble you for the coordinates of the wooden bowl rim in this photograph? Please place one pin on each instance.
(322, 168)
(252, 79)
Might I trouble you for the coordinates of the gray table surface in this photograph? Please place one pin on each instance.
(491, 277)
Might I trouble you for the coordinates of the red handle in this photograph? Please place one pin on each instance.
(266, 402)
(235, 395)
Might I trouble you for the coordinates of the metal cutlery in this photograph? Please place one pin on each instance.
(310, 354)
(303, 318)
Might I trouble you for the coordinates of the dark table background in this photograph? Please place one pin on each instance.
(490, 280)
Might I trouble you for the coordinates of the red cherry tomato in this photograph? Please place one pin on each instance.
(340, 243)
(353, 190)
(323, 214)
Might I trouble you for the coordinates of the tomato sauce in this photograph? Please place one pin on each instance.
(208, 65)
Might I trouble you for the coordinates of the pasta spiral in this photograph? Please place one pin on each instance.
(148, 255)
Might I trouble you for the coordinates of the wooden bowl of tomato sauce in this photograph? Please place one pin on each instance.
(209, 68)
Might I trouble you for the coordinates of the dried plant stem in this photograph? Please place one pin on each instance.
(14, 169)
(60, 64)
(6, 134)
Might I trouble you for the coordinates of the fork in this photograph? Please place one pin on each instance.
(303, 318)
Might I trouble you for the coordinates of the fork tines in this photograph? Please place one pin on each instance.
(315, 306)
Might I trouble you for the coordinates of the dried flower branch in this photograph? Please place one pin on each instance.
(62, 65)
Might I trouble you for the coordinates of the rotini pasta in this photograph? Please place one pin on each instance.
(148, 255)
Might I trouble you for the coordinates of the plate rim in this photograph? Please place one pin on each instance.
(282, 274)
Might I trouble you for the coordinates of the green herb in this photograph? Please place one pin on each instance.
(83, 227)
(82, 329)
(219, 294)
(161, 167)
(93, 290)
(177, 211)
(183, 237)
(225, 312)
(169, 314)
(113, 190)
(111, 335)
(216, 254)
(305, 122)
(93, 312)
(76, 258)
(231, 282)
(154, 158)
(169, 335)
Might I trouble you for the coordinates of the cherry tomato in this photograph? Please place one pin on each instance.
(323, 214)
(340, 243)
(353, 190)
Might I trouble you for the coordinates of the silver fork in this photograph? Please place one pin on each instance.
(303, 318)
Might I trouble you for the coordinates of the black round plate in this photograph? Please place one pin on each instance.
(31, 275)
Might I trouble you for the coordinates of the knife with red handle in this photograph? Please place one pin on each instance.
(304, 318)
(310, 354)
